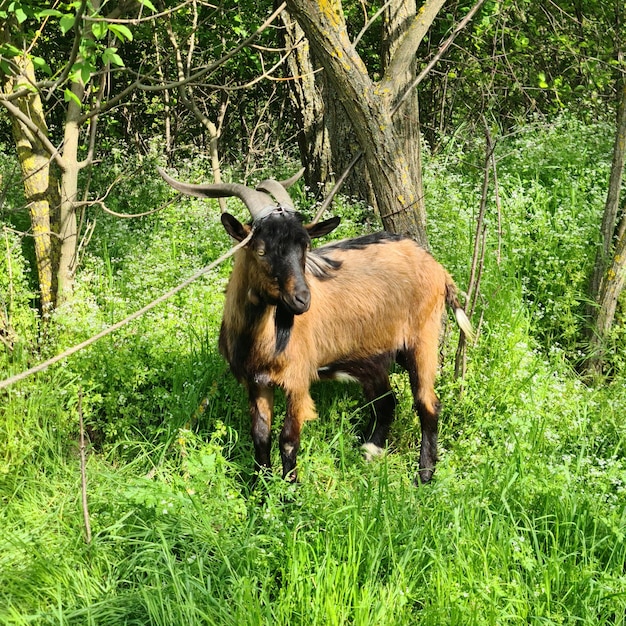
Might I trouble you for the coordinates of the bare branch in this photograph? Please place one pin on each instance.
(73, 54)
(335, 190)
(369, 22)
(83, 468)
(133, 21)
(442, 50)
(139, 84)
(107, 331)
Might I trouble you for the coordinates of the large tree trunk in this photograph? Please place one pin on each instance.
(39, 181)
(397, 18)
(306, 91)
(369, 105)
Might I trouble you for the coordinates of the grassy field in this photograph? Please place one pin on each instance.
(524, 522)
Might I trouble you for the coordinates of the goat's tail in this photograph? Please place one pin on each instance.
(461, 318)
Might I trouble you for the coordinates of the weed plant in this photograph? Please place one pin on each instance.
(523, 523)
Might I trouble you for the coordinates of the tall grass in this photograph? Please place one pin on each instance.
(523, 523)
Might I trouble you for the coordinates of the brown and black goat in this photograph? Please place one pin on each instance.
(344, 311)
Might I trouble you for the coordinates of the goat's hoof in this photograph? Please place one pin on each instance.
(291, 477)
(424, 476)
(371, 451)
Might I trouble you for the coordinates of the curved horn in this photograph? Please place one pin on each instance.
(256, 201)
(278, 189)
(290, 181)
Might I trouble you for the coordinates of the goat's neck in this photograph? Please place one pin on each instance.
(244, 307)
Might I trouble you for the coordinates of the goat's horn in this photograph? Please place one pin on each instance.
(256, 201)
(278, 188)
(274, 188)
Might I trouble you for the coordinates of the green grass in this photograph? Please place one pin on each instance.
(524, 522)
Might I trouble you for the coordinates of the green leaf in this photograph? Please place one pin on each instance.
(99, 29)
(9, 50)
(82, 71)
(121, 32)
(148, 4)
(66, 23)
(20, 15)
(42, 65)
(110, 56)
(70, 96)
(87, 69)
(541, 79)
(48, 13)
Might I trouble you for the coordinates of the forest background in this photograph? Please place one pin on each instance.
(494, 133)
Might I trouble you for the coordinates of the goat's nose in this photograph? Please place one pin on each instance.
(300, 301)
(302, 298)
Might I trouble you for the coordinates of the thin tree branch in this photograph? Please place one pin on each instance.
(133, 21)
(369, 22)
(138, 84)
(107, 331)
(442, 50)
(73, 54)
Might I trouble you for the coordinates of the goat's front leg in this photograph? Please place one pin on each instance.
(300, 408)
(261, 401)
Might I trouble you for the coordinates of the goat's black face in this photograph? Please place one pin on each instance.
(280, 245)
(277, 256)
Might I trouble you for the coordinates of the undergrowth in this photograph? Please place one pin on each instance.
(524, 521)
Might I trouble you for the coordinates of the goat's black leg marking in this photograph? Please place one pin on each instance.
(422, 368)
(378, 392)
(300, 408)
(261, 401)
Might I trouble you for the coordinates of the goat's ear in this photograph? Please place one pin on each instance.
(323, 228)
(234, 227)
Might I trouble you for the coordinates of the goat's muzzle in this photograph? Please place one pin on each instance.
(297, 302)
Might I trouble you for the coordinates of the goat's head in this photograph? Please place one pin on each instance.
(276, 253)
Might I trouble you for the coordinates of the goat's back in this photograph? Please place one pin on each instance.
(386, 291)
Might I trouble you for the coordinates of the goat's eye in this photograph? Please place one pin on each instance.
(260, 251)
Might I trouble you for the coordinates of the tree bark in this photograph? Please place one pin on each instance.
(370, 104)
(68, 227)
(609, 273)
(397, 18)
(39, 181)
(306, 95)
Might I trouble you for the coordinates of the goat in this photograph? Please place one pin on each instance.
(343, 311)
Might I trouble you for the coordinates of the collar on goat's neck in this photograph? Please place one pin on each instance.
(273, 210)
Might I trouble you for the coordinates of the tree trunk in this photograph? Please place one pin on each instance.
(369, 105)
(306, 95)
(609, 273)
(397, 19)
(39, 181)
(68, 229)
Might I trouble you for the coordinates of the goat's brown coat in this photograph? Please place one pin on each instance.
(387, 298)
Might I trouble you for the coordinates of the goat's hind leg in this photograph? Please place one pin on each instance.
(421, 365)
(373, 375)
